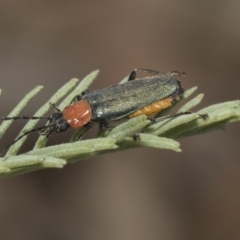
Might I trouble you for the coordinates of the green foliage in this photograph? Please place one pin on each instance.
(157, 135)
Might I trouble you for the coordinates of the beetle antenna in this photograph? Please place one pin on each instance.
(23, 117)
(21, 136)
(25, 133)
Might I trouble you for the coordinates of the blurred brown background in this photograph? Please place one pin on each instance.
(137, 194)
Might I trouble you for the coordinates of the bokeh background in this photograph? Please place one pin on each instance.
(136, 194)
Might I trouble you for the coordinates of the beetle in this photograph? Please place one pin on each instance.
(147, 96)
(138, 96)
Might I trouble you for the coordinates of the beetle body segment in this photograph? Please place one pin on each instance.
(77, 114)
(153, 108)
(116, 102)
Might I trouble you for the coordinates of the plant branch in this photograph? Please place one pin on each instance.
(157, 135)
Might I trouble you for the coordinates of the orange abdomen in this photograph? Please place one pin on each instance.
(153, 108)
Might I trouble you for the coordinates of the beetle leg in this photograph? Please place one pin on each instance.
(78, 97)
(153, 120)
(55, 107)
(133, 74)
(84, 92)
(105, 126)
(136, 136)
(85, 129)
(180, 74)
